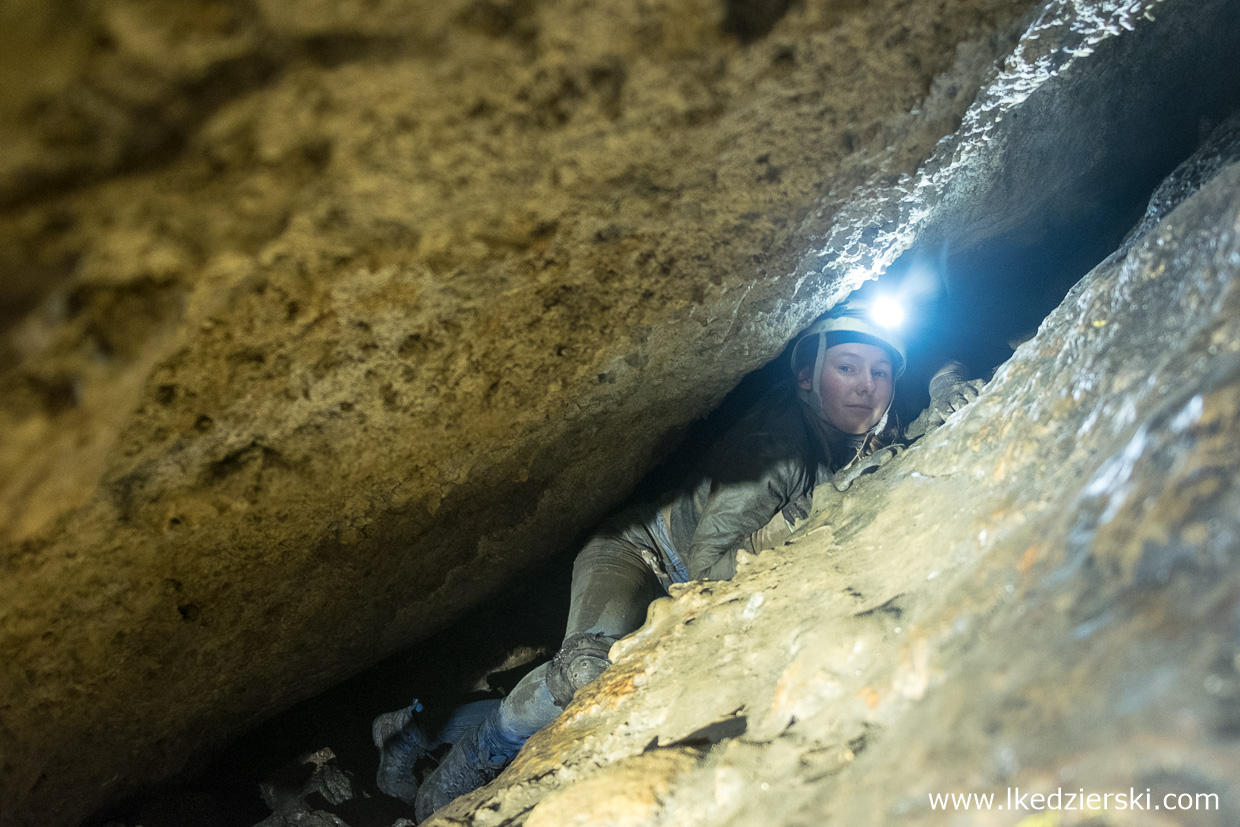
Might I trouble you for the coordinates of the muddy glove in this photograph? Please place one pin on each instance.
(950, 390)
(847, 475)
(780, 528)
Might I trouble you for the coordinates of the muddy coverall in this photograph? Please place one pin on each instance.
(756, 480)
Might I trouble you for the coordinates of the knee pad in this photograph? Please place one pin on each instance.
(580, 660)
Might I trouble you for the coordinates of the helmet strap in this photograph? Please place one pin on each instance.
(817, 380)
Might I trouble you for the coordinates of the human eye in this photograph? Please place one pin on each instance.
(880, 374)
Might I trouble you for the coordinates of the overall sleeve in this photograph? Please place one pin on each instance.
(734, 508)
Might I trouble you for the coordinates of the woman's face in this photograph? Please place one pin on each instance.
(856, 386)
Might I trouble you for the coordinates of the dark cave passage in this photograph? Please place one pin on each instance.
(480, 656)
(1081, 166)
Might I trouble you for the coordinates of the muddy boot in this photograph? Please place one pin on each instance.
(474, 760)
(401, 743)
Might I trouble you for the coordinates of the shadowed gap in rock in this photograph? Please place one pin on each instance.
(751, 20)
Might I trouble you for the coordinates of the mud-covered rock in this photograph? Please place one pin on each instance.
(304, 795)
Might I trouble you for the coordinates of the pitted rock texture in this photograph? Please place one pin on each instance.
(359, 308)
(1042, 596)
(393, 299)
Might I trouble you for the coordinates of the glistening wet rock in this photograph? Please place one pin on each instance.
(382, 328)
(1038, 599)
(376, 329)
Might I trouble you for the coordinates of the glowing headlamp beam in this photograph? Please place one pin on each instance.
(886, 311)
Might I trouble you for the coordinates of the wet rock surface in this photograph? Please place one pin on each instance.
(378, 326)
(348, 312)
(1040, 596)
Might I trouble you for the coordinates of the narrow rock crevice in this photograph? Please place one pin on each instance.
(1065, 179)
(524, 625)
(415, 306)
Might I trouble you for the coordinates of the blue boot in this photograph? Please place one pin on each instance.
(478, 757)
(401, 743)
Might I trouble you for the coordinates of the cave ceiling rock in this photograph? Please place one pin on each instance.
(1041, 595)
(1077, 103)
(290, 358)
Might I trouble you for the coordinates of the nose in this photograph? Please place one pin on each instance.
(865, 384)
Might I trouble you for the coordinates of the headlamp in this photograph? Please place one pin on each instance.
(887, 312)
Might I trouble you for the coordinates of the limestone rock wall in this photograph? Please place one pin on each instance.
(326, 318)
(1038, 604)
(322, 319)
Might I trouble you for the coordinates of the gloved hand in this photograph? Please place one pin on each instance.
(950, 390)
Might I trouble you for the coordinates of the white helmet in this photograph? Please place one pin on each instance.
(846, 322)
(851, 321)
